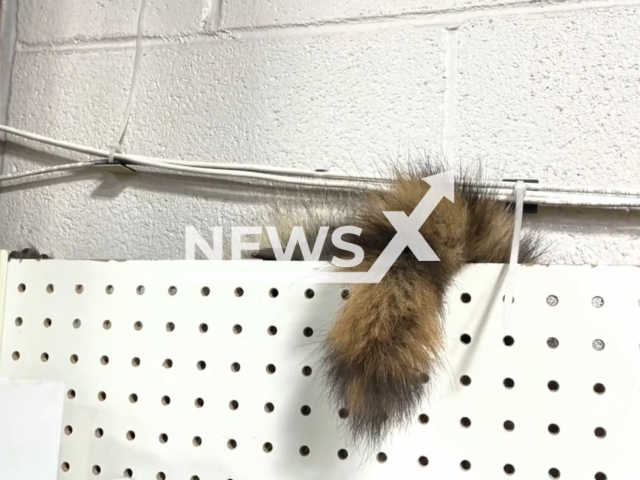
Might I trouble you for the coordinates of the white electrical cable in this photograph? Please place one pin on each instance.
(116, 143)
(48, 170)
(536, 193)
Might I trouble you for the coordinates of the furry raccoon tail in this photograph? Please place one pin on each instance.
(388, 339)
(381, 351)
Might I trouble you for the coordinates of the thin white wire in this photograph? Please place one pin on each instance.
(47, 170)
(116, 143)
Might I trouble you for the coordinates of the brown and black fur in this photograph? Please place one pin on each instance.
(388, 337)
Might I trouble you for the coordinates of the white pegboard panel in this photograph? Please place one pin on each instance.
(149, 358)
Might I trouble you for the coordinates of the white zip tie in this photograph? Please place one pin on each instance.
(518, 192)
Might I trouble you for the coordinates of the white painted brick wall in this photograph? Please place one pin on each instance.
(545, 90)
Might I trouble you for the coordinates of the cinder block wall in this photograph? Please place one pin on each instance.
(541, 89)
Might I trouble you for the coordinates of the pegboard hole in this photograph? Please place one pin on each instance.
(71, 394)
(508, 383)
(50, 288)
(79, 289)
(172, 290)
(423, 418)
(15, 355)
(18, 321)
(509, 469)
(465, 465)
(99, 433)
(104, 360)
(138, 325)
(161, 476)
(600, 432)
(553, 342)
(554, 473)
(96, 469)
(195, 477)
(307, 371)
(309, 293)
(465, 338)
(131, 435)
(201, 365)
(304, 451)
(508, 340)
(273, 293)
(509, 426)
(600, 476)
(166, 400)
(554, 429)
(140, 290)
(308, 332)
(239, 292)
(465, 422)
(168, 363)
(109, 289)
(205, 291)
(133, 398)
(465, 298)
(267, 447)
(237, 329)
(423, 461)
(77, 323)
(465, 380)
(106, 324)
(199, 402)
(68, 430)
(381, 457)
(135, 361)
(271, 369)
(233, 404)
(552, 300)
(268, 407)
(65, 466)
(235, 367)
(73, 358)
(599, 388)
(305, 410)
(343, 454)
(232, 444)
(204, 328)
(47, 322)
(197, 441)
(170, 327)
(272, 330)
(128, 473)
(163, 438)
(102, 396)
(343, 413)
(44, 357)
(345, 294)
(22, 287)
(553, 386)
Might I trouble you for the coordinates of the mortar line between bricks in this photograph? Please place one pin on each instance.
(449, 100)
(438, 18)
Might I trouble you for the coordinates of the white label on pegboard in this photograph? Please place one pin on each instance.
(168, 379)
